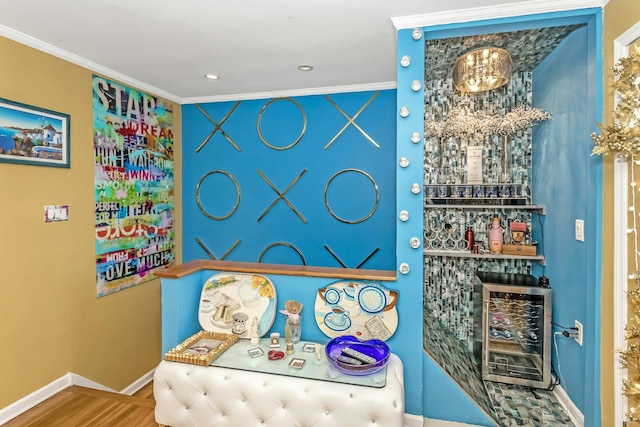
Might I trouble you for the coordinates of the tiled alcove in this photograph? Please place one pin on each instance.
(448, 280)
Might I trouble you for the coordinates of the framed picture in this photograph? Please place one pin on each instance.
(309, 347)
(255, 352)
(297, 363)
(201, 348)
(33, 136)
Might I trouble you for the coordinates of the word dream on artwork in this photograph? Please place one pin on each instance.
(133, 185)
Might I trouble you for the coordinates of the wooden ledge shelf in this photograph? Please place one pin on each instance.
(190, 267)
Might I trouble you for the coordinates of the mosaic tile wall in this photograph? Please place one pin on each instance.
(448, 281)
(445, 159)
(448, 290)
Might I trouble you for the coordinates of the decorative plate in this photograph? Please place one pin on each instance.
(372, 299)
(229, 303)
(364, 309)
(332, 296)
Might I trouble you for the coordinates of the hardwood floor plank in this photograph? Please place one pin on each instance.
(78, 406)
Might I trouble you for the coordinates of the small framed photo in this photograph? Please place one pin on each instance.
(309, 347)
(255, 352)
(32, 135)
(297, 363)
(201, 348)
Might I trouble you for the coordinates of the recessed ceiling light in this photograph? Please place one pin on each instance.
(305, 67)
(212, 76)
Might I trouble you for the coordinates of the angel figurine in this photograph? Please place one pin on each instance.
(255, 338)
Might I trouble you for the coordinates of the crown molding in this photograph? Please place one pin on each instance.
(493, 12)
(290, 93)
(82, 62)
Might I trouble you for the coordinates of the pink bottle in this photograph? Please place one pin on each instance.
(496, 235)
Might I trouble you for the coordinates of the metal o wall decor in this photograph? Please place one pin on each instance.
(235, 206)
(259, 123)
(364, 218)
(288, 245)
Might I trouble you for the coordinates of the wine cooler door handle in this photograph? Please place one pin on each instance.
(485, 333)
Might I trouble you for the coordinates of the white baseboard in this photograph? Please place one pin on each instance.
(85, 382)
(413, 420)
(34, 398)
(429, 422)
(572, 410)
(418, 421)
(60, 384)
(139, 383)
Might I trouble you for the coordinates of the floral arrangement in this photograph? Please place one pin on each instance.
(462, 122)
(622, 138)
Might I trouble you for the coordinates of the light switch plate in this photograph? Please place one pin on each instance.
(580, 230)
(56, 213)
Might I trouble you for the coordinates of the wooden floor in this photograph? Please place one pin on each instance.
(79, 407)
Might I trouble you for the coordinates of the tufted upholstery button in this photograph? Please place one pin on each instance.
(351, 395)
(243, 399)
(326, 412)
(205, 393)
(306, 390)
(226, 377)
(264, 384)
(188, 373)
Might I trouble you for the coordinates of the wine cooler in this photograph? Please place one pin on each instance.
(514, 342)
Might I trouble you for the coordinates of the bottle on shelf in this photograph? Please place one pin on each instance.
(469, 238)
(496, 236)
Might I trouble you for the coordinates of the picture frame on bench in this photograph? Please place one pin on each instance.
(202, 348)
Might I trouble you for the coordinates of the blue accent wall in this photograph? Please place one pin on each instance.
(443, 400)
(566, 179)
(236, 150)
(275, 227)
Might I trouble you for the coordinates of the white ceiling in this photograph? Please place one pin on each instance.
(167, 46)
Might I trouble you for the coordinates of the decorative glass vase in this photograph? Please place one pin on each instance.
(292, 329)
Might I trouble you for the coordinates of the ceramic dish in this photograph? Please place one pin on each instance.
(231, 303)
(364, 309)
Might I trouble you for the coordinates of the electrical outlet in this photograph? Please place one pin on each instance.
(578, 332)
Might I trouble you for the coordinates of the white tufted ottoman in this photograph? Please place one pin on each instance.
(206, 396)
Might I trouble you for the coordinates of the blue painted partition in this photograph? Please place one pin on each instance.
(181, 287)
(579, 293)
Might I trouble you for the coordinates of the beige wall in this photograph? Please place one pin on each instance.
(619, 16)
(52, 322)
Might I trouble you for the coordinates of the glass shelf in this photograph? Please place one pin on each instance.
(539, 209)
(540, 259)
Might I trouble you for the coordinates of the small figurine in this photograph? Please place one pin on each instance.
(275, 339)
(255, 339)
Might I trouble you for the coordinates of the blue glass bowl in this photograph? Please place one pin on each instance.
(377, 349)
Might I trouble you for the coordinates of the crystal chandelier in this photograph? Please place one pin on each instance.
(482, 69)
